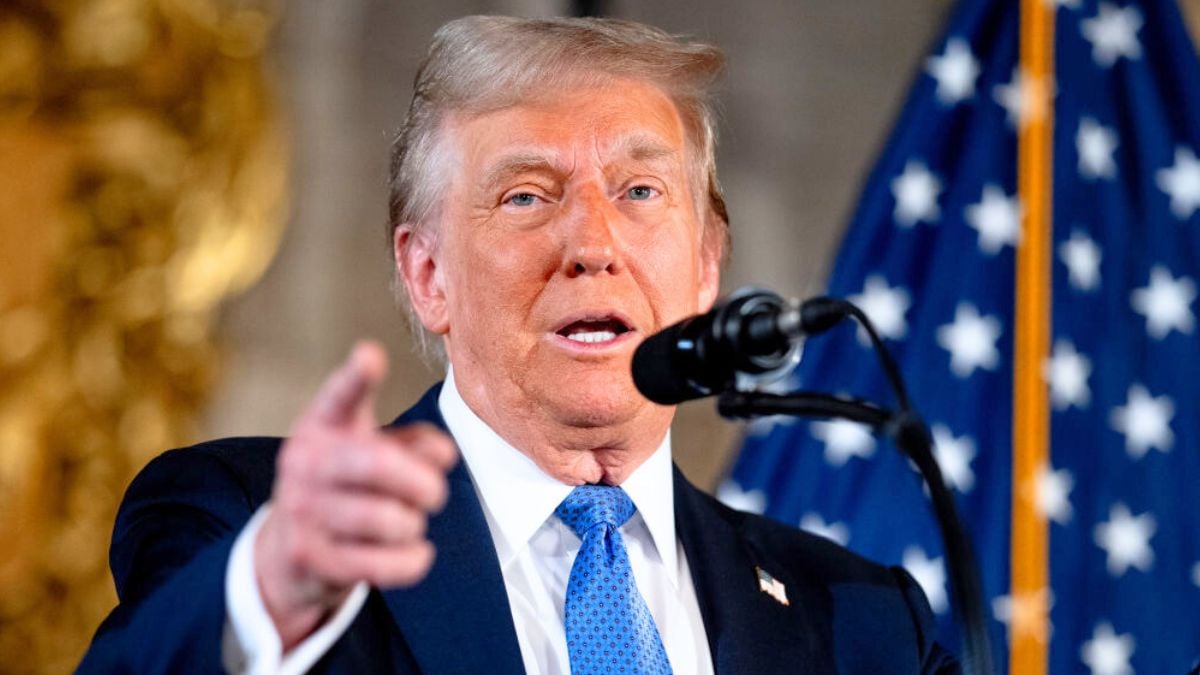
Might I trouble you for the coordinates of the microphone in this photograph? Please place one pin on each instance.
(751, 332)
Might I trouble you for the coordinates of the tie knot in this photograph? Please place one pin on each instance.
(589, 505)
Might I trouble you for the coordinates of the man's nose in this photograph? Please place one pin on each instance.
(591, 243)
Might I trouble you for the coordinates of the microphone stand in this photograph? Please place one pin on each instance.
(910, 434)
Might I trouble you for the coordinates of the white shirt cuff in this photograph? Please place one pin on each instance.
(250, 645)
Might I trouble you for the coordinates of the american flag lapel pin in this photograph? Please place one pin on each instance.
(772, 586)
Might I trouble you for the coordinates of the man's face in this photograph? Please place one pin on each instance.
(569, 234)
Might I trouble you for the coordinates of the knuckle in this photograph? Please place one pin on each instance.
(336, 517)
(413, 565)
(425, 485)
(373, 572)
(361, 517)
(423, 560)
(436, 442)
(439, 493)
(298, 554)
(418, 526)
(337, 573)
(296, 505)
(293, 462)
(363, 462)
(407, 525)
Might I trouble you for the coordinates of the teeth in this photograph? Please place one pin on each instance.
(594, 336)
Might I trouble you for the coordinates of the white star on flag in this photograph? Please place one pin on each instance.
(997, 218)
(930, 575)
(835, 532)
(1067, 371)
(954, 457)
(1028, 614)
(1069, 4)
(955, 71)
(1196, 574)
(916, 191)
(1145, 421)
(1051, 490)
(732, 495)
(843, 439)
(1182, 183)
(1108, 653)
(1113, 34)
(1025, 98)
(1166, 303)
(761, 427)
(1082, 257)
(1125, 539)
(971, 340)
(1095, 144)
(885, 306)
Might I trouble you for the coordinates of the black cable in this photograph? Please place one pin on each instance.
(890, 369)
(910, 434)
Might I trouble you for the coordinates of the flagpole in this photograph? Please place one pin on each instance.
(1029, 589)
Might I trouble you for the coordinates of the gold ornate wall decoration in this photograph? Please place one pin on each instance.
(142, 181)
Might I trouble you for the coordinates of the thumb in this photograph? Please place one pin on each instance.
(348, 395)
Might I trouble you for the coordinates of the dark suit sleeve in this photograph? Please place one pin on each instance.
(171, 542)
(934, 658)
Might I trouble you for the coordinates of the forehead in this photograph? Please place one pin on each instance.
(616, 120)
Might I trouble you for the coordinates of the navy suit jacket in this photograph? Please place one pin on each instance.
(180, 517)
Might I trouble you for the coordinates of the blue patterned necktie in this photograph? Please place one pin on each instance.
(609, 627)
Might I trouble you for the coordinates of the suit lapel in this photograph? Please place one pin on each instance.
(748, 630)
(457, 620)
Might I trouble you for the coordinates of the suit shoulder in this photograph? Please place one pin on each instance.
(248, 463)
(820, 558)
(220, 481)
(238, 453)
(875, 604)
(182, 501)
(874, 614)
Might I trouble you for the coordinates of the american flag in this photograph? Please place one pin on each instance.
(932, 255)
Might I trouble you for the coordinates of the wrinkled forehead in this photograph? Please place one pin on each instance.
(608, 121)
(627, 119)
(545, 87)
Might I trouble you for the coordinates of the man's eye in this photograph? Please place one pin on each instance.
(522, 199)
(640, 193)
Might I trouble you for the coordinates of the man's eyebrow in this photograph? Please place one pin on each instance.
(515, 165)
(638, 147)
(646, 148)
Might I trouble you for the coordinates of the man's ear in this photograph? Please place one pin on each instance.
(417, 266)
(711, 249)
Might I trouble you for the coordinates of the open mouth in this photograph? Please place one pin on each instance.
(594, 331)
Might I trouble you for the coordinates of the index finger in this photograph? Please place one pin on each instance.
(349, 393)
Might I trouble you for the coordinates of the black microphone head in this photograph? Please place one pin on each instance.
(703, 355)
(656, 373)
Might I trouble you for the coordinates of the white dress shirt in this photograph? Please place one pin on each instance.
(536, 552)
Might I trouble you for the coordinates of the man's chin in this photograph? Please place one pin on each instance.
(596, 404)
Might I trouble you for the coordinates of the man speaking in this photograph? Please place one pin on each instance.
(554, 202)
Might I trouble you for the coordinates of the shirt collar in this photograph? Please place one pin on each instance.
(518, 497)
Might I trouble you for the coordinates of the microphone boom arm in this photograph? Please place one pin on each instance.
(911, 435)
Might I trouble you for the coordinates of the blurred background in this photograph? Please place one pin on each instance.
(192, 203)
